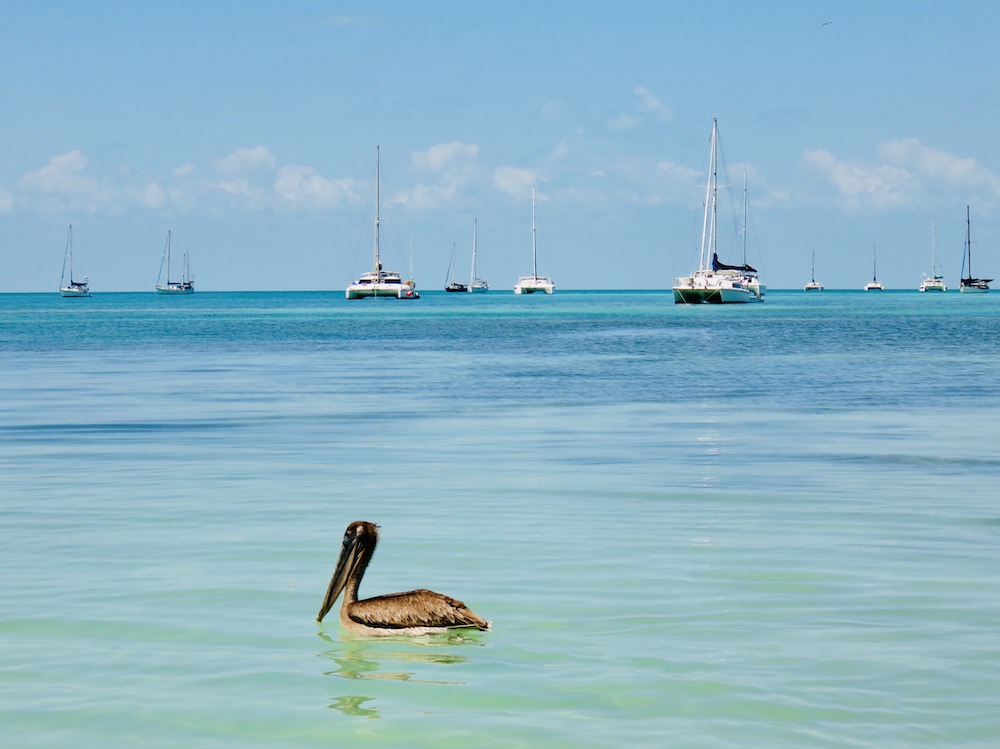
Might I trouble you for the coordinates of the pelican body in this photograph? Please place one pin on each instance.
(416, 612)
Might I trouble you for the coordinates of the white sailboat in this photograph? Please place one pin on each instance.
(715, 282)
(874, 284)
(478, 284)
(969, 283)
(813, 284)
(933, 282)
(379, 282)
(185, 285)
(72, 288)
(534, 282)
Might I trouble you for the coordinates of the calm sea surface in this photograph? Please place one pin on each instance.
(770, 526)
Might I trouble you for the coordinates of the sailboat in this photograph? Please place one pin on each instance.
(73, 288)
(477, 284)
(534, 282)
(185, 285)
(379, 282)
(450, 283)
(933, 282)
(969, 283)
(813, 284)
(715, 282)
(874, 284)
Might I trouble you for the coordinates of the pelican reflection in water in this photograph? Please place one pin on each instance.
(417, 612)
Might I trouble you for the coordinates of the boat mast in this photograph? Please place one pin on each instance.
(744, 218)
(378, 174)
(708, 229)
(874, 271)
(534, 264)
(968, 239)
(67, 256)
(168, 257)
(472, 278)
(933, 252)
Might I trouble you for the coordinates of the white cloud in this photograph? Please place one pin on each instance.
(6, 201)
(63, 179)
(907, 171)
(514, 181)
(303, 188)
(649, 103)
(246, 159)
(446, 156)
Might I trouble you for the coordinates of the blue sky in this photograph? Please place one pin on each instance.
(250, 129)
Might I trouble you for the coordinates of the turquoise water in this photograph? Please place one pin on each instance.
(768, 525)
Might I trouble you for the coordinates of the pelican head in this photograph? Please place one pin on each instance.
(355, 553)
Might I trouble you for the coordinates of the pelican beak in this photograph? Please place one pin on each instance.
(348, 558)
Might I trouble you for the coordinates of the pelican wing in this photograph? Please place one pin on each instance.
(416, 608)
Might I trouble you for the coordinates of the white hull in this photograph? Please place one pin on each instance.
(717, 287)
(814, 286)
(387, 290)
(175, 289)
(74, 291)
(973, 290)
(931, 284)
(874, 287)
(531, 284)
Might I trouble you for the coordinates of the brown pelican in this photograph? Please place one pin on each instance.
(417, 612)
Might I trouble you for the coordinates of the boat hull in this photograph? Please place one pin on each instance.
(71, 292)
(973, 290)
(386, 291)
(694, 295)
(531, 284)
(173, 290)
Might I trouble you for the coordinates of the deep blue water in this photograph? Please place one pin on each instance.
(765, 525)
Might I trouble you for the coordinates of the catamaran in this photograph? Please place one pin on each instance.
(813, 284)
(534, 282)
(933, 282)
(969, 283)
(379, 282)
(73, 288)
(715, 282)
(185, 285)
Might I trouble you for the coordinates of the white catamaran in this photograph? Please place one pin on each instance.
(715, 282)
(185, 285)
(379, 282)
(969, 283)
(73, 288)
(813, 284)
(534, 282)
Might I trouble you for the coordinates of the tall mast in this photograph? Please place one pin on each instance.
(378, 174)
(744, 218)
(968, 238)
(708, 228)
(168, 257)
(472, 278)
(534, 265)
(933, 252)
(68, 256)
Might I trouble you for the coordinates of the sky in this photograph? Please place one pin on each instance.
(250, 131)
